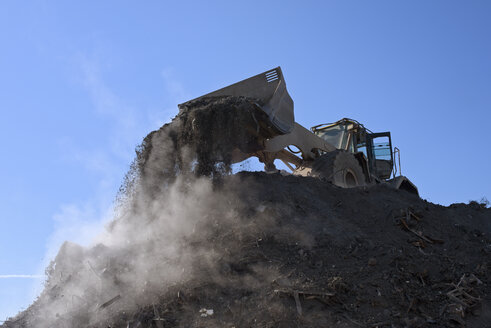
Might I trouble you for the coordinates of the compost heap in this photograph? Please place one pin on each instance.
(195, 246)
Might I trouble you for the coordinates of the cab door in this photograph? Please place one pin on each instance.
(380, 156)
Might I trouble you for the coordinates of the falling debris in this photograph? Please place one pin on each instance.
(111, 301)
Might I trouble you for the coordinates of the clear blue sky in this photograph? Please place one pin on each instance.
(81, 83)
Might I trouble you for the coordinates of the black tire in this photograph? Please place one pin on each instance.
(340, 168)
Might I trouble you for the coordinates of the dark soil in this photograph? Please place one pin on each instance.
(347, 255)
(270, 250)
(201, 139)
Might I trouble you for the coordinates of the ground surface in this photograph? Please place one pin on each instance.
(193, 246)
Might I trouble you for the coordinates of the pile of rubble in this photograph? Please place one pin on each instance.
(196, 246)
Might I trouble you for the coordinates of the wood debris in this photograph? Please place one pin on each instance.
(111, 301)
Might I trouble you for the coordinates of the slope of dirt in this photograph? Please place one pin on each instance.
(316, 255)
(193, 246)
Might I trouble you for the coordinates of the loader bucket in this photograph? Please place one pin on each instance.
(269, 90)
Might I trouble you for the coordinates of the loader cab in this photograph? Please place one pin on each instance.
(340, 134)
(373, 150)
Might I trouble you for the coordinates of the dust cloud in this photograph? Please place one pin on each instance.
(168, 208)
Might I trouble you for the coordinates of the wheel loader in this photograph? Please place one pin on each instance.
(344, 153)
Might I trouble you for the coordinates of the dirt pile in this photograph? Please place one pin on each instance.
(193, 246)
